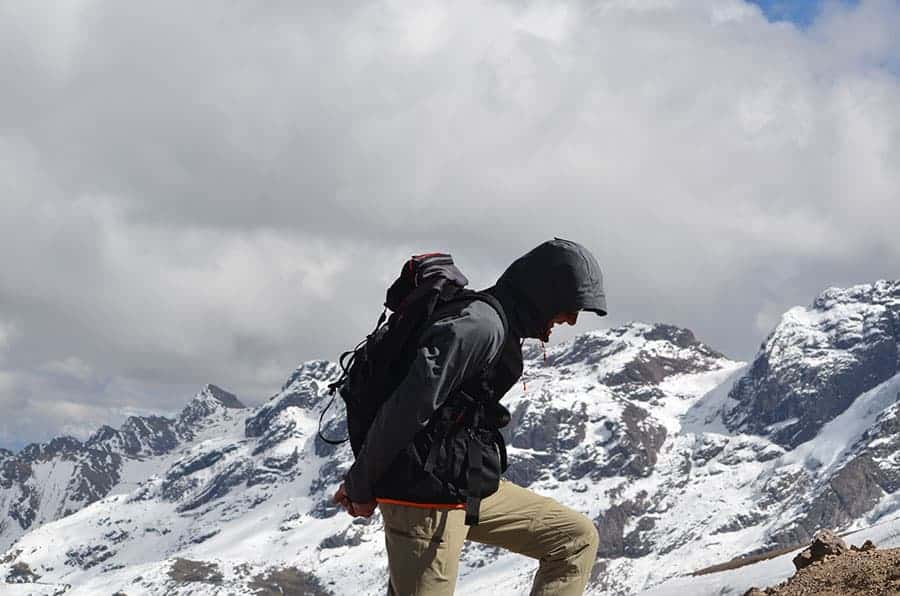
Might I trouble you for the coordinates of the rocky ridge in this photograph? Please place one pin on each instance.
(817, 361)
(46, 481)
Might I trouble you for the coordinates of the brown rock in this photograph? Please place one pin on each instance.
(804, 559)
(826, 542)
(855, 573)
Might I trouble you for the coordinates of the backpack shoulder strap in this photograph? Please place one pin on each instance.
(471, 295)
(485, 297)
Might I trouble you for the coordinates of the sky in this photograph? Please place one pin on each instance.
(801, 13)
(215, 192)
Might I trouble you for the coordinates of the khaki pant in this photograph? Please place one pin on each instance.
(423, 545)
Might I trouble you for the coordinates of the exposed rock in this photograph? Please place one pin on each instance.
(325, 508)
(817, 361)
(179, 482)
(187, 571)
(707, 447)
(24, 510)
(304, 389)
(273, 422)
(21, 573)
(866, 546)
(740, 521)
(636, 451)
(547, 428)
(648, 369)
(149, 435)
(850, 573)
(209, 401)
(117, 536)
(10, 556)
(95, 475)
(88, 556)
(880, 443)
(782, 486)
(204, 460)
(611, 528)
(588, 348)
(849, 494)
(824, 543)
(282, 463)
(637, 542)
(652, 366)
(64, 447)
(260, 475)
(320, 371)
(526, 468)
(287, 580)
(349, 536)
(14, 470)
(219, 485)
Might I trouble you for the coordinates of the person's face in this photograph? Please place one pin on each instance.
(566, 317)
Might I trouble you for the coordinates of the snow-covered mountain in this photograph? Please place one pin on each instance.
(47, 481)
(683, 457)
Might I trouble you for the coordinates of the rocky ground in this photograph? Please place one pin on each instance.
(829, 568)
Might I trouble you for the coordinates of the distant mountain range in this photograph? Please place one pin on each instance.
(683, 457)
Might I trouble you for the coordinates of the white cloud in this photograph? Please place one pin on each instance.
(72, 367)
(8, 332)
(210, 193)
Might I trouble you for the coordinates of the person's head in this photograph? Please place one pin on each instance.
(550, 284)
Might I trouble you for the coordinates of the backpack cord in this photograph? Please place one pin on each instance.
(524, 387)
(321, 416)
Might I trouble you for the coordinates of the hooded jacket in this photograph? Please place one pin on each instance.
(555, 277)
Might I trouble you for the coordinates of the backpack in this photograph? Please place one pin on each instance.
(373, 369)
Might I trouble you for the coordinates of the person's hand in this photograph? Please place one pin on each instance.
(362, 509)
(354, 509)
(341, 498)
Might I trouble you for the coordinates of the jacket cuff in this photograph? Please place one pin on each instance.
(358, 491)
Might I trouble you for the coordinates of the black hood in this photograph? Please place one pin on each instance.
(555, 277)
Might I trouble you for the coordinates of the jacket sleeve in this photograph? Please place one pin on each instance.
(450, 350)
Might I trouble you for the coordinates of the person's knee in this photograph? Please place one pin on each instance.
(586, 534)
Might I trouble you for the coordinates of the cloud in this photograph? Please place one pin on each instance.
(8, 332)
(212, 193)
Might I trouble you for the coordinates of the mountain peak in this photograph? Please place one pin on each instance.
(210, 400)
(57, 446)
(616, 351)
(846, 341)
(318, 370)
(883, 292)
(216, 393)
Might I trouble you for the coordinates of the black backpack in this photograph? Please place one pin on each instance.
(375, 367)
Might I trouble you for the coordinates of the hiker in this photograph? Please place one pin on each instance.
(431, 495)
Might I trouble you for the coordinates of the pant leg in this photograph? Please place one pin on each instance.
(563, 540)
(423, 548)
